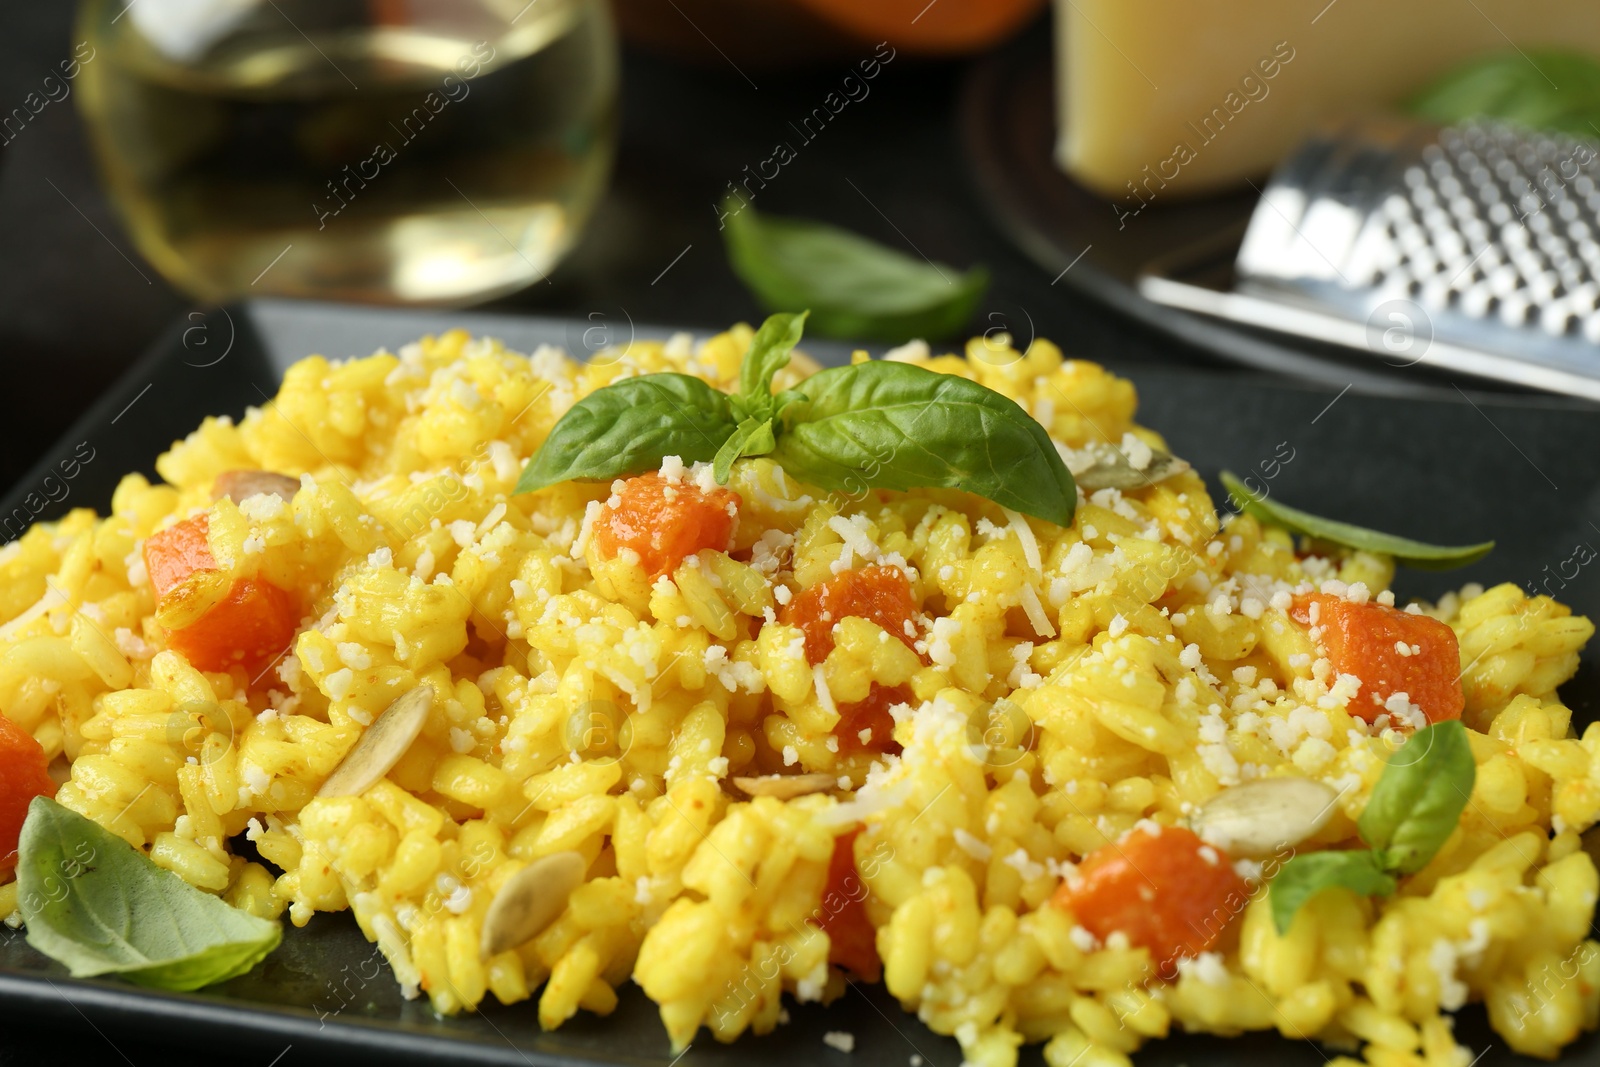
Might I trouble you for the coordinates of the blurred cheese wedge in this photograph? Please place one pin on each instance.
(1165, 98)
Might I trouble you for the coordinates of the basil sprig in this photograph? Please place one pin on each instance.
(1418, 554)
(754, 406)
(1414, 809)
(855, 288)
(1544, 89)
(769, 353)
(874, 425)
(97, 904)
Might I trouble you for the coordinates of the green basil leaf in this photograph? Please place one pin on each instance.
(895, 426)
(100, 906)
(855, 288)
(769, 353)
(631, 426)
(753, 438)
(1418, 800)
(1306, 875)
(1418, 554)
(1544, 89)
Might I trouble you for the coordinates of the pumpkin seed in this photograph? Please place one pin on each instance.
(530, 901)
(1262, 817)
(1113, 470)
(239, 486)
(381, 746)
(786, 786)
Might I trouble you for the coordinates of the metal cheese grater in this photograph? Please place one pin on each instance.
(1473, 248)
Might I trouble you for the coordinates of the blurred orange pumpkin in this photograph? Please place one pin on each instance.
(784, 33)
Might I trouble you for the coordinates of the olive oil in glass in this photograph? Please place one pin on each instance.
(398, 151)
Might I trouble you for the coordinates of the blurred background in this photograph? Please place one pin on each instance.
(1140, 180)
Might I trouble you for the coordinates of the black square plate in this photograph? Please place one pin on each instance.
(1452, 468)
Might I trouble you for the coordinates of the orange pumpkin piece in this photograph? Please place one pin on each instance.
(852, 941)
(1164, 889)
(665, 522)
(870, 717)
(876, 593)
(943, 28)
(23, 776)
(173, 554)
(1391, 651)
(254, 623)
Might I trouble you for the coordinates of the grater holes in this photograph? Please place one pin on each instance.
(1477, 300)
(1504, 280)
(1591, 328)
(1585, 297)
(1557, 319)
(1476, 232)
(1450, 246)
(1463, 208)
(1435, 294)
(1514, 309)
(1425, 264)
(1547, 240)
(1411, 237)
(1542, 289)
(1436, 220)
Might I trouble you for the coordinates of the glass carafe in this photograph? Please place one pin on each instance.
(398, 151)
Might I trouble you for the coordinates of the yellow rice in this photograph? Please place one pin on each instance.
(584, 708)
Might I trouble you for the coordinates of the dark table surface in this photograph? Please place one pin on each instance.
(77, 303)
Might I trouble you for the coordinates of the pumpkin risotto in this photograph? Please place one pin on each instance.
(732, 742)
